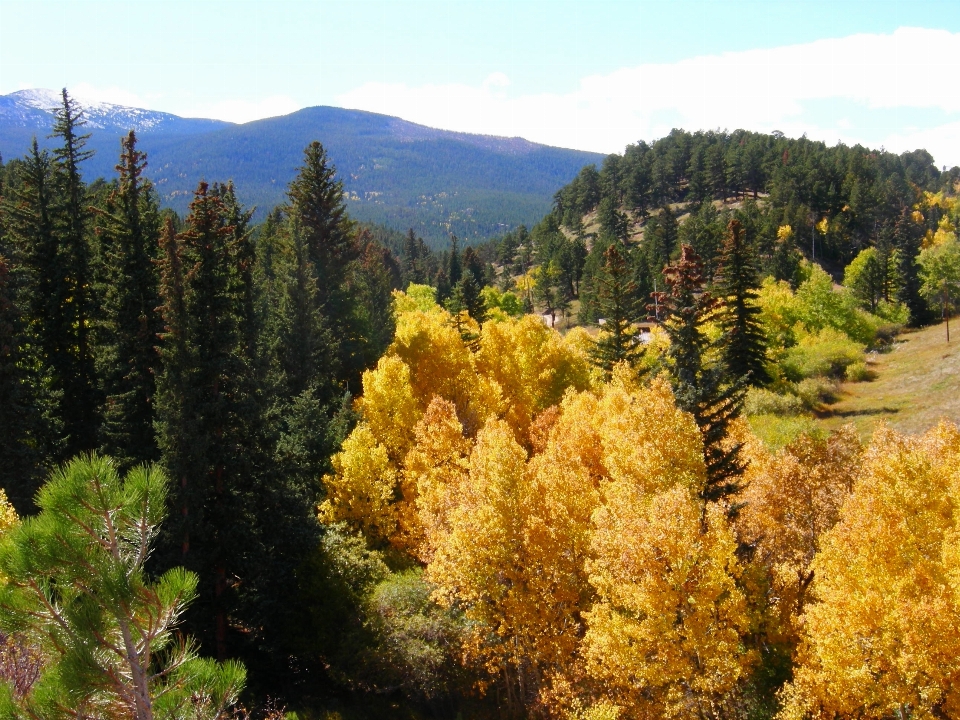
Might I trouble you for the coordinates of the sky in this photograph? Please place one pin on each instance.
(592, 75)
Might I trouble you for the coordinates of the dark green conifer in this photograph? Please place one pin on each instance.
(907, 238)
(704, 390)
(128, 360)
(21, 455)
(206, 417)
(745, 349)
(620, 307)
(74, 364)
(39, 288)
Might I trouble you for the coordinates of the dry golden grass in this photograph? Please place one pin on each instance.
(915, 385)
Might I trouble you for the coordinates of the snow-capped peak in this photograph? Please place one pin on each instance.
(97, 114)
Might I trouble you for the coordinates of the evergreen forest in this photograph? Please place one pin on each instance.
(306, 467)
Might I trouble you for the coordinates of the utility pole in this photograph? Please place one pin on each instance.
(946, 308)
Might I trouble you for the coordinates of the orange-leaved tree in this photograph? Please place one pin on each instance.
(880, 638)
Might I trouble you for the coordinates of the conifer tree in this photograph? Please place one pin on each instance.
(455, 265)
(317, 206)
(704, 390)
(619, 306)
(76, 585)
(204, 410)
(20, 454)
(907, 238)
(744, 352)
(129, 230)
(38, 287)
(75, 363)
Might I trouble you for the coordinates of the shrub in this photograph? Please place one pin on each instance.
(858, 372)
(760, 401)
(827, 353)
(777, 432)
(813, 392)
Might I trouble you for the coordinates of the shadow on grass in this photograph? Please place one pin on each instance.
(857, 413)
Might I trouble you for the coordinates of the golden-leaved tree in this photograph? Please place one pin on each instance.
(665, 635)
(880, 638)
(520, 369)
(792, 498)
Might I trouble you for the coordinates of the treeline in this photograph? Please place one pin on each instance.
(223, 352)
(833, 202)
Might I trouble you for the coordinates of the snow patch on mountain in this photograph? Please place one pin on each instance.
(36, 108)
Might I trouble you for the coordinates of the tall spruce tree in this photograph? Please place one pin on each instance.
(74, 365)
(204, 412)
(745, 349)
(704, 390)
(620, 307)
(21, 455)
(907, 238)
(39, 287)
(128, 361)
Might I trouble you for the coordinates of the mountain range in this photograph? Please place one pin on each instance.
(395, 173)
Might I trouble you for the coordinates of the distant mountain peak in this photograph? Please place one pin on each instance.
(38, 98)
(24, 104)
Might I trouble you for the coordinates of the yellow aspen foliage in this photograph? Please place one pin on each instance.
(479, 562)
(881, 636)
(790, 501)
(532, 367)
(514, 550)
(559, 502)
(664, 639)
(417, 298)
(434, 473)
(389, 406)
(361, 490)
(8, 516)
(440, 363)
(648, 444)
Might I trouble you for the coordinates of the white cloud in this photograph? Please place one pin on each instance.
(241, 111)
(115, 95)
(789, 88)
(238, 111)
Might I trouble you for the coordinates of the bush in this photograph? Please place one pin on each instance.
(417, 640)
(813, 392)
(777, 432)
(760, 401)
(858, 372)
(827, 353)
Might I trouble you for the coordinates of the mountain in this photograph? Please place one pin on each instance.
(395, 172)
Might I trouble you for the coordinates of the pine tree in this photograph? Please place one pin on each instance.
(705, 391)
(455, 265)
(76, 584)
(619, 305)
(75, 362)
(745, 349)
(129, 230)
(412, 263)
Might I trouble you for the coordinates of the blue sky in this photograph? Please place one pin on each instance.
(592, 74)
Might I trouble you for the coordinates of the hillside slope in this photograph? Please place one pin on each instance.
(396, 173)
(916, 384)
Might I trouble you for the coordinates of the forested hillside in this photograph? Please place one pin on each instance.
(314, 469)
(792, 197)
(395, 173)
